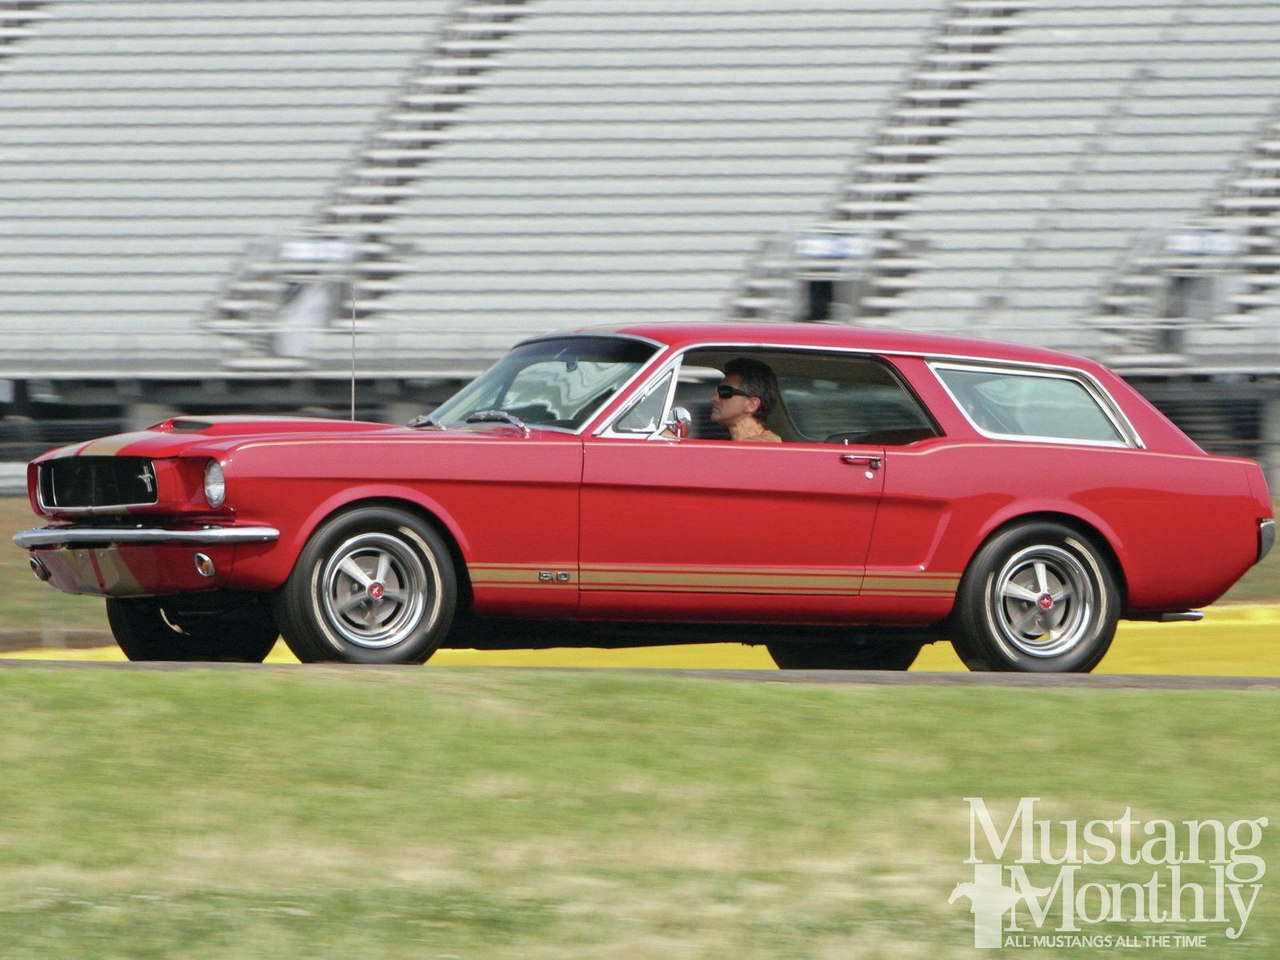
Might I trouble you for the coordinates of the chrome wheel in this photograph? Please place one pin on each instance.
(1042, 601)
(376, 590)
(1039, 597)
(373, 585)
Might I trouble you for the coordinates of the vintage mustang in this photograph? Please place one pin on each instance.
(585, 491)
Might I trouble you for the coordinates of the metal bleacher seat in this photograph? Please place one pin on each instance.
(1102, 120)
(624, 160)
(144, 142)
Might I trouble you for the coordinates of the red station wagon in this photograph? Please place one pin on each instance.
(583, 492)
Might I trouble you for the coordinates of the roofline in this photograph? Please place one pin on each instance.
(680, 335)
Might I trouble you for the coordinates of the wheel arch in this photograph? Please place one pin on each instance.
(1089, 531)
(434, 518)
(987, 635)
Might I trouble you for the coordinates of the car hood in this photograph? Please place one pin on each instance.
(215, 436)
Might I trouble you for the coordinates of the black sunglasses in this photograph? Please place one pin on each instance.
(724, 392)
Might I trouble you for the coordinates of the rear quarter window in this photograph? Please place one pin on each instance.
(1030, 404)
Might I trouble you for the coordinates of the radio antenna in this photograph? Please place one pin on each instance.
(352, 288)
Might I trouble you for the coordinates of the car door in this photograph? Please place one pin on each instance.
(719, 530)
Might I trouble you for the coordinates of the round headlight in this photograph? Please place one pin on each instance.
(215, 484)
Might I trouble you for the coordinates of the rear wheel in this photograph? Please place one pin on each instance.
(147, 628)
(374, 585)
(1038, 598)
(867, 650)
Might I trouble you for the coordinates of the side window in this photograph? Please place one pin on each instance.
(1029, 404)
(646, 416)
(832, 397)
(823, 397)
(838, 411)
(852, 400)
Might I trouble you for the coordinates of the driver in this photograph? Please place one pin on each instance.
(743, 400)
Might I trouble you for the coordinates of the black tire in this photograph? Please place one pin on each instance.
(867, 650)
(373, 585)
(1037, 598)
(147, 628)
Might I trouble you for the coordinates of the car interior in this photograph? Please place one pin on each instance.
(824, 398)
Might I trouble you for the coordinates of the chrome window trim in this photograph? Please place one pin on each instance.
(1112, 410)
(596, 334)
(1129, 438)
(639, 395)
(676, 359)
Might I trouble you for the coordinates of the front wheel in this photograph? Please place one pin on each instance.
(374, 585)
(1037, 598)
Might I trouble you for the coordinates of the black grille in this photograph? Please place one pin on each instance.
(97, 482)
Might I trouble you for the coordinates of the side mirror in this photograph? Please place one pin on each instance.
(678, 422)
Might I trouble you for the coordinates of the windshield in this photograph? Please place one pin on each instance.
(558, 382)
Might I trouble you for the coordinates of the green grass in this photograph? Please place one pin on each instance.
(27, 604)
(231, 813)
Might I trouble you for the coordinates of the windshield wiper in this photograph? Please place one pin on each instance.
(426, 420)
(498, 416)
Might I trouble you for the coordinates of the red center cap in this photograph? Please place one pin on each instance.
(1045, 601)
(376, 590)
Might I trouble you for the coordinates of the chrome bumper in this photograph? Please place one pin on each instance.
(1266, 538)
(130, 536)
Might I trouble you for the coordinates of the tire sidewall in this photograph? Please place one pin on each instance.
(309, 630)
(981, 642)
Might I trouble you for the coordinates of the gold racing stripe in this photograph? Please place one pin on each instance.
(699, 579)
(720, 580)
(109, 446)
(911, 584)
(520, 575)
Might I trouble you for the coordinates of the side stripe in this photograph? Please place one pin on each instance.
(639, 578)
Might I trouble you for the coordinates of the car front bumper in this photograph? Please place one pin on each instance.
(137, 561)
(74, 536)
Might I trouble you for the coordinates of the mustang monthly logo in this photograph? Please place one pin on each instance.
(1058, 877)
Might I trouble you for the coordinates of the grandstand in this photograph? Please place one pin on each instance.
(202, 198)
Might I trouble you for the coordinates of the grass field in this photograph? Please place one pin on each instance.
(232, 813)
(220, 814)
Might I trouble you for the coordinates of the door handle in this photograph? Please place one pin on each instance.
(869, 461)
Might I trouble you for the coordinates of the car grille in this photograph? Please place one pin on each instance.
(97, 482)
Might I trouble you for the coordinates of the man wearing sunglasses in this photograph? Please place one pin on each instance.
(743, 400)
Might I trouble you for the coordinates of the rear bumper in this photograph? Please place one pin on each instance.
(1168, 616)
(1266, 537)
